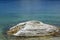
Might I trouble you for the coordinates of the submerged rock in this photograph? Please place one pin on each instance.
(33, 28)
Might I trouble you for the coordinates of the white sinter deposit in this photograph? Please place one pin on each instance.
(33, 28)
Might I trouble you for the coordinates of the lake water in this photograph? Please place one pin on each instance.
(13, 12)
(9, 19)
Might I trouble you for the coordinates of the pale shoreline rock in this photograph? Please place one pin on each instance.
(33, 28)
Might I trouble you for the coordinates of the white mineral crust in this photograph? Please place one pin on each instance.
(34, 28)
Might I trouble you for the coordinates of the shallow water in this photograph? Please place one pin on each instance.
(8, 21)
(32, 38)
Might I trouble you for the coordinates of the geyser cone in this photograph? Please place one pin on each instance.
(33, 28)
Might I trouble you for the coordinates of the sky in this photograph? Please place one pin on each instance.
(26, 6)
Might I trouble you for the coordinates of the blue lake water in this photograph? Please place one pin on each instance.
(13, 12)
(10, 19)
(49, 18)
